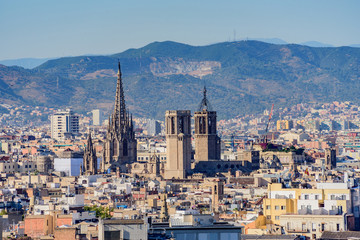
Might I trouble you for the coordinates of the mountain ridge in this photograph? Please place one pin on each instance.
(241, 77)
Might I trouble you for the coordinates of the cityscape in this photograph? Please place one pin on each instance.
(248, 138)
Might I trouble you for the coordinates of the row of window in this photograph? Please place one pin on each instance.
(268, 217)
(26, 166)
(277, 207)
(147, 158)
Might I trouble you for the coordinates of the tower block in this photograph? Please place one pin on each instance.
(178, 144)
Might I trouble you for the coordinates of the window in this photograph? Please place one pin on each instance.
(332, 197)
(277, 208)
(277, 217)
(316, 197)
(267, 207)
(314, 227)
(268, 217)
(337, 227)
(306, 197)
(283, 208)
(323, 227)
(303, 227)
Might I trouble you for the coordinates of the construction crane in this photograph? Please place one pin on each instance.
(267, 125)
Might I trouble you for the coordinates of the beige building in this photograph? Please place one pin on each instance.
(313, 226)
(330, 158)
(178, 144)
(22, 167)
(207, 143)
(149, 165)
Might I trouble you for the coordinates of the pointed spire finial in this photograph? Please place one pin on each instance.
(119, 67)
(205, 104)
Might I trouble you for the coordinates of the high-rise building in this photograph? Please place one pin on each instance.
(96, 117)
(207, 143)
(63, 123)
(284, 125)
(178, 144)
(120, 143)
(153, 127)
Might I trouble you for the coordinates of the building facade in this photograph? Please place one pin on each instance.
(63, 123)
(153, 127)
(207, 142)
(89, 166)
(178, 144)
(120, 143)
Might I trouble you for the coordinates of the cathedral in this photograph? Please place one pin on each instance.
(120, 144)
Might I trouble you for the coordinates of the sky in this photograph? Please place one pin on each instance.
(49, 28)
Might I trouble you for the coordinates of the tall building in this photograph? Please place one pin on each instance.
(178, 144)
(207, 143)
(96, 117)
(120, 143)
(217, 194)
(153, 127)
(89, 166)
(44, 163)
(330, 158)
(284, 125)
(63, 123)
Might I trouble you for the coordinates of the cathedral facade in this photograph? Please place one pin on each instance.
(120, 145)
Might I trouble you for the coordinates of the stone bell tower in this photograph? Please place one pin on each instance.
(207, 143)
(178, 144)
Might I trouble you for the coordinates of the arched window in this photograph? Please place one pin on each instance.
(125, 148)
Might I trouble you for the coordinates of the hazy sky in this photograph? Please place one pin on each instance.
(49, 28)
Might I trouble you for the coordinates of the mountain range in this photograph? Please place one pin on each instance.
(241, 77)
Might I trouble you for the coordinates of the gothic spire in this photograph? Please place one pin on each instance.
(120, 108)
(205, 104)
(89, 145)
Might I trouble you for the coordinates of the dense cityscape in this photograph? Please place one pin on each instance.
(180, 120)
(288, 172)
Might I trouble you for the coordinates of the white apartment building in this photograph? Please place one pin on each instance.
(64, 122)
(96, 117)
